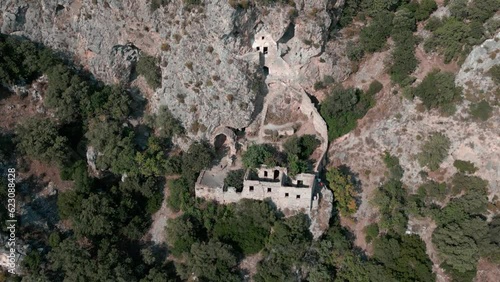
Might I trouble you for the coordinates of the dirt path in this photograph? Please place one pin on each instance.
(157, 231)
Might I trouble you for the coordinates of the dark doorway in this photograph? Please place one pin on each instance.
(220, 146)
(59, 8)
(266, 71)
(219, 141)
(276, 174)
(265, 50)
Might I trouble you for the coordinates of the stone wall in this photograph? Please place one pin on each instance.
(297, 195)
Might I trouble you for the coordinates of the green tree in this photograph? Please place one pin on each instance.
(462, 229)
(449, 38)
(153, 160)
(182, 233)
(481, 110)
(432, 191)
(434, 151)
(96, 217)
(392, 163)
(465, 166)
(258, 154)
(491, 248)
(39, 138)
(302, 146)
(110, 101)
(115, 145)
(404, 61)
(64, 92)
(343, 190)
(374, 36)
(342, 108)
(148, 66)
(234, 179)
(287, 244)
(296, 165)
(246, 225)
(405, 257)
(371, 232)
(211, 261)
(181, 194)
(481, 10)
(391, 199)
(198, 157)
(425, 9)
(438, 90)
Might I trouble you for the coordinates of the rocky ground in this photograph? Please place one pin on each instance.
(400, 127)
(207, 80)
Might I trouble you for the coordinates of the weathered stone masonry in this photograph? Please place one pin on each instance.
(297, 194)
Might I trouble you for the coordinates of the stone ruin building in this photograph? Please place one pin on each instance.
(288, 194)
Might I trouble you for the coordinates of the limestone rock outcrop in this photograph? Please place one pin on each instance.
(206, 82)
(473, 75)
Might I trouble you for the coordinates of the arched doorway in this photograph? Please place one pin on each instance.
(220, 144)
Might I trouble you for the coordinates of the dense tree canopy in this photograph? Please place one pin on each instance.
(40, 139)
(342, 108)
(343, 190)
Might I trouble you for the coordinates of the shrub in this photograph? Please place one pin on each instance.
(433, 24)
(199, 156)
(155, 4)
(374, 88)
(425, 9)
(374, 36)
(355, 53)
(258, 154)
(371, 232)
(449, 39)
(432, 191)
(438, 90)
(165, 47)
(481, 10)
(247, 225)
(434, 151)
(39, 139)
(465, 166)
(318, 85)
(234, 179)
(391, 199)
(148, 66)
(481, 110)
(181, 194)
(494, 73)
(342, 108)
(404, 61)
(392, 163)
(343, 190)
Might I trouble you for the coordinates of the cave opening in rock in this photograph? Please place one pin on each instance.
(265, 70)
(59, 8)
(265, 50)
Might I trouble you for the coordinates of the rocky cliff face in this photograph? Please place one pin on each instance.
(207, 80)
